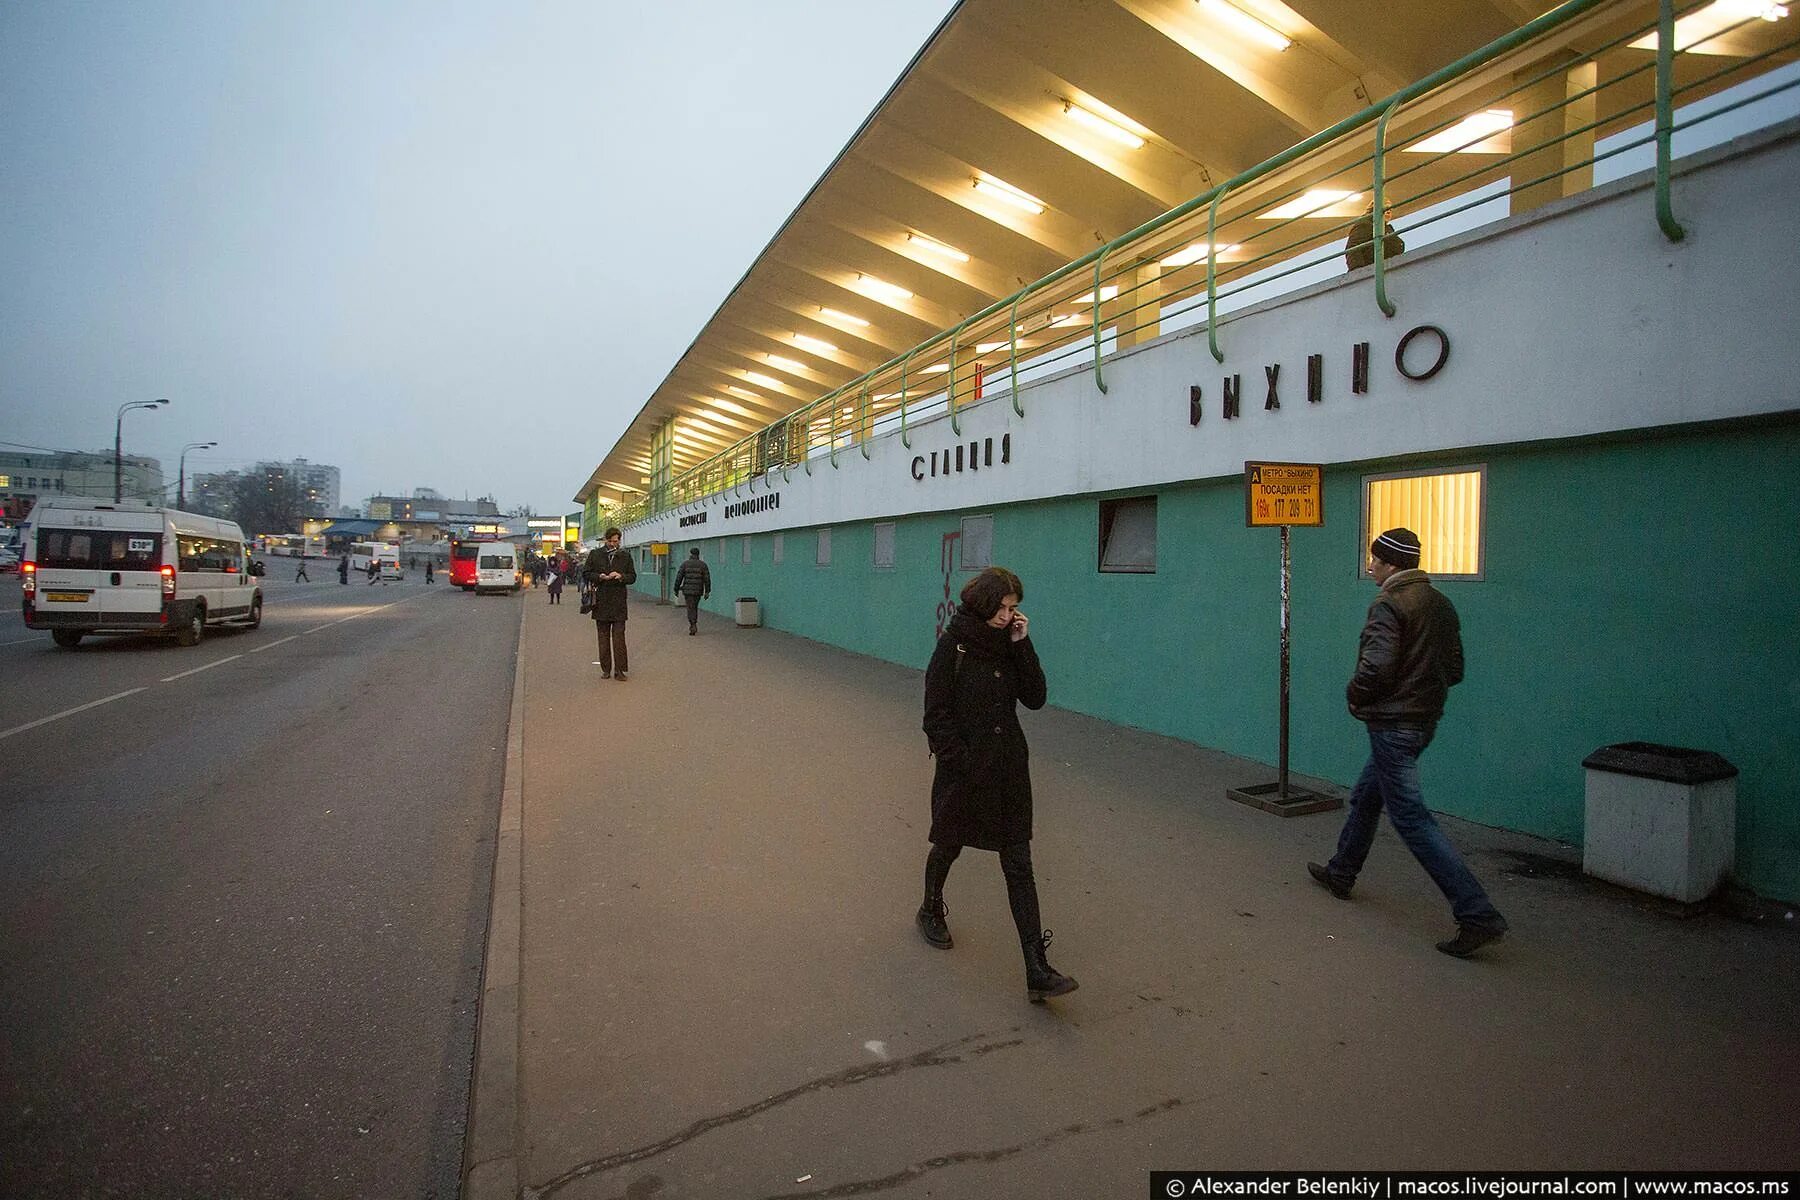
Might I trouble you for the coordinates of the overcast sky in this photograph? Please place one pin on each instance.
(450, 245)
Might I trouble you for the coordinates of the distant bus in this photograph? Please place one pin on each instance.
(294, 545)
(386, 553)
(463, 553)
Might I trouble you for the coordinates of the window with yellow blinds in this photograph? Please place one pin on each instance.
(1447, 509)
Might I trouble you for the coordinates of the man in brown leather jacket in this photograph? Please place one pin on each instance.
(1410, 657)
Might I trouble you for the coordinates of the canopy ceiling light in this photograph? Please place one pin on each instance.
(786, 364)
(817, 345)
(1477, 133)
(938, 248)
(845, 317)
(881, 289)
(1106, 293)
(1244, 25)
(1006, 193)
(1312, 204)
(935, 369)
(1697, 32)
(1189, 255)
(1100, 125)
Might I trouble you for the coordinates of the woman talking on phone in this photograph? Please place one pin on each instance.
(984, 667)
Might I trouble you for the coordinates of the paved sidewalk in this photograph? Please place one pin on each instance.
(722, 994)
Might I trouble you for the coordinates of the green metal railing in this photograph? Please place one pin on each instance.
(1039, 338)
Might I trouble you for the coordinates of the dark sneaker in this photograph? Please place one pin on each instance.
(1328, 881)
(1469, 939)
(934, 925)
(621, 677)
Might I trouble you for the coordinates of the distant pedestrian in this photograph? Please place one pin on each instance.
(374, 571)
(611, 572)
(344, 569)
(984, 667)
(556, 586)
(693, 582)
(428, 570)
(1411, 655)
(1359, 241)
(300, 574)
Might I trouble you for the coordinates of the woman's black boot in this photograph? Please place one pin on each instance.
(934, 923)
(1041, 979)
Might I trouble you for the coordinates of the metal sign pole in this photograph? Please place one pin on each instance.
(1281, 777)
(1282, 495)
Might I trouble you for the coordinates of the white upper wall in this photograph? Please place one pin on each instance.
(1575, 319)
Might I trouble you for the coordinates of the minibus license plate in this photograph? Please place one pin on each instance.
(67, 597)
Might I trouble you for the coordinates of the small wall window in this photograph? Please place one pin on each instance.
(776, 550)
(719, 552)
(823, 558)
(884, 544)
(977, 543)
(1128, 535)
(746, 554)
(1447, 509)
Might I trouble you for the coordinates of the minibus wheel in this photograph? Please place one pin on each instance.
(195, 628)
(255, 614)
(68, 639)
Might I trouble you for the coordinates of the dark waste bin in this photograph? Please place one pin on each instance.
(1660, 819)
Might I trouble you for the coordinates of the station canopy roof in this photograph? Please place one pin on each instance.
(1023, 135)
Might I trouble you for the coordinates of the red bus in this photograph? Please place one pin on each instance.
(462, 560)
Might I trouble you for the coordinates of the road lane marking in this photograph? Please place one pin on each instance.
(209, 666)
(271, 645)
(68, 712)
(21, 641)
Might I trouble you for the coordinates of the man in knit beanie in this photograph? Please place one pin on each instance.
(1410, 656)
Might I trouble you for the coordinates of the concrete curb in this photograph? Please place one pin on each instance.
(490, 1155)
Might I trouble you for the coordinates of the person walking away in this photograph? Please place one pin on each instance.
(984, 667)
(428, 570)
(300, 574)
(693, 582)
(1410, 656)
(611, 572)
(374, 570)
(556, 585)
(344, 569)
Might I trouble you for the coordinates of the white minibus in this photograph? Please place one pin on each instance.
(386, 553)
(497, 568)
(97, 567)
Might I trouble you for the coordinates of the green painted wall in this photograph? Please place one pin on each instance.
(1634, 591)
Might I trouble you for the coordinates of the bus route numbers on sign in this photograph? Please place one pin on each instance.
(1284, 494)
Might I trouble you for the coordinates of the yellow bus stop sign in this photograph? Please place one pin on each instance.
(1284, 494)
(659, 547)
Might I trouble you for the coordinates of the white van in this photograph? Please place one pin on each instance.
(96, 567)
(497, 568)
(386, 553)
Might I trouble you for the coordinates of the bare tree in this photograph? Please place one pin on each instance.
(267, 502)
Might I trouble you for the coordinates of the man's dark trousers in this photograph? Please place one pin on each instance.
(612, 647)
(693, 606)
(1391, 780)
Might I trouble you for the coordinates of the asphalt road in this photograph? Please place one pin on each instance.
(243, 896)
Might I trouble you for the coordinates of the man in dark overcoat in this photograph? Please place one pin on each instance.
(611, 572)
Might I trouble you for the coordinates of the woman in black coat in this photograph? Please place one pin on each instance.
(983, 669)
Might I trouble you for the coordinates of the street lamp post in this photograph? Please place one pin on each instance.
(118, 440)
(181, 479)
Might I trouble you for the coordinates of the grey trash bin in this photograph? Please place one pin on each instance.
(1660, 819)
(749, 612)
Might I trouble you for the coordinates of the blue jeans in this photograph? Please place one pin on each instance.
(1391, 780)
